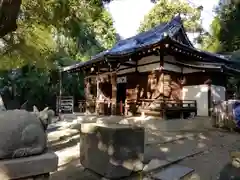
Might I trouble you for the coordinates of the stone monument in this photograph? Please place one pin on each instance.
(113, 150)
(23, 144)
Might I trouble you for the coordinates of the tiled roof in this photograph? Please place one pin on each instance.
(148, 38)
(126, 46)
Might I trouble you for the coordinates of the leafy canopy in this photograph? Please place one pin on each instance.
(78, 29)
(210, 41)
(53, 33)
(165, 10)
(224, 36)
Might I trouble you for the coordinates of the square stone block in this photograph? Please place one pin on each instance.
(113, 150)
(29, 166)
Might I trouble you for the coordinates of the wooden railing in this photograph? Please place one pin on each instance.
(161, 107)
(152, 106)
(166, 104)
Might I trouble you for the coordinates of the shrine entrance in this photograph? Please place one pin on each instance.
(121, 94)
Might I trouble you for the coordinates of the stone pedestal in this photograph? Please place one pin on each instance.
(113, 151)
(29, 168)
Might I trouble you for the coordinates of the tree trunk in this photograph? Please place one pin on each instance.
(9, 10)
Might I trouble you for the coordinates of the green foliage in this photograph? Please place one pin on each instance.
(52, 34)
(210, 42)
(79, 28)
(32, 44)
(165, 10)
(229, 35)
(224, 33)
(224, 37)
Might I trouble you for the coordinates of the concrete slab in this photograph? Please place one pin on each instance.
(174, 172)
(29, 166)
(155, 164)
(183, 156)
(180, 149)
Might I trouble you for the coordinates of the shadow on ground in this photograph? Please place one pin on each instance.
(65, 140)
(73, 170)
(164, 140)
(63, 144)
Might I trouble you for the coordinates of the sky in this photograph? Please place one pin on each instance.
(127, 14)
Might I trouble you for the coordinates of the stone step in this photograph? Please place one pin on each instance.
(174, 172)
(162, 159)
(164, 170)
(176, 150)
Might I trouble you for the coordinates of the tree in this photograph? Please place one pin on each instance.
(224, 36)
(229, 35)
(210, 41)
(52, 34)
(165, 10)
(80, 29)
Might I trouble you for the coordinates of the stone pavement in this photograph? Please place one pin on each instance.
(189, 143)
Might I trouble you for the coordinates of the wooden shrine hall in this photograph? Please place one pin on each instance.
(157, 72)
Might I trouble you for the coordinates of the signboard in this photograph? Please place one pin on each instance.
(65, 104)
(122, 80)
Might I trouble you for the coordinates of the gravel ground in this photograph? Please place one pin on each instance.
(164, 139)
(209, 164)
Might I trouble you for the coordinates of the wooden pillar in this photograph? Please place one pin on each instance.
(161, 70)
(225, 85)
(98, 93)
(181, 82)
(60, 92)
(162, 74)
(114, 93)
(86, 92)
(210, 102)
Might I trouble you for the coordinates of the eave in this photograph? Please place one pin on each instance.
(155, 41)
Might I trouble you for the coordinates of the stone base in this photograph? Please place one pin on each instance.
(29, 168)
(112, 150)
(38, 177)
